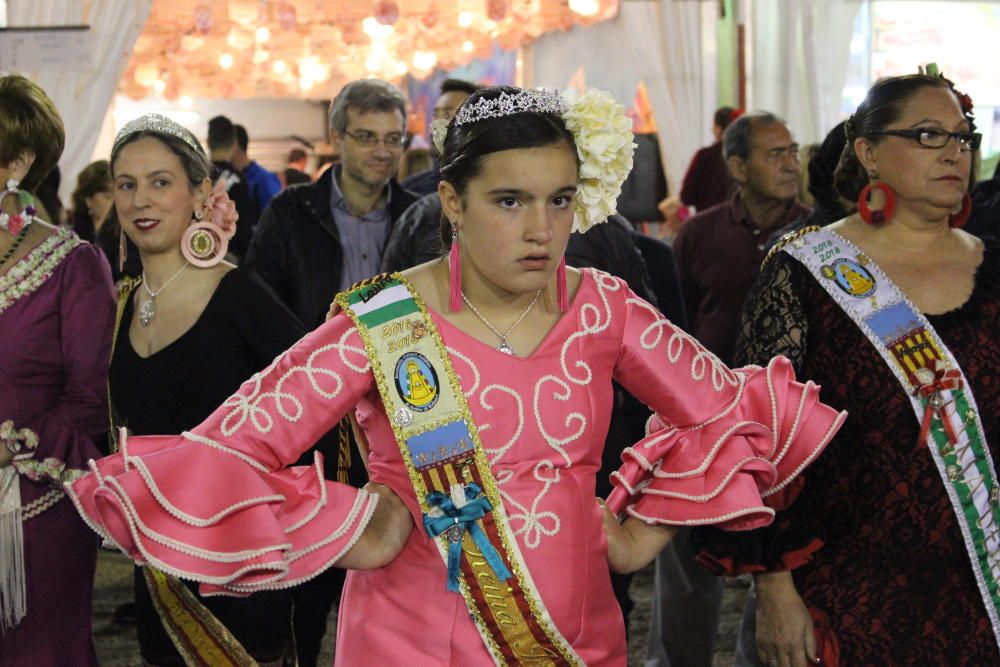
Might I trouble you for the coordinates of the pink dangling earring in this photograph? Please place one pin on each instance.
(455, 269)
(562, 292)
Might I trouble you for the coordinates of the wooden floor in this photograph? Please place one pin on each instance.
(117, 647)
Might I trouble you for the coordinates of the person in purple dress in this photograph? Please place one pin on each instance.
(56, 322)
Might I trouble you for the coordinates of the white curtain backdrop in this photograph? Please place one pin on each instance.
(668, 44)
(800, 55)
(82, 98)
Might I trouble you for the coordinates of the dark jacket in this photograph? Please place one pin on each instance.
(416, 237)
(423, 182)
(239, 191)
(296, 248)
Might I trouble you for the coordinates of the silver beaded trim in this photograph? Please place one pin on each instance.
(157, 124)
(506, 104)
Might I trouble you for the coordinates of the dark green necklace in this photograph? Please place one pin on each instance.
(15, 245)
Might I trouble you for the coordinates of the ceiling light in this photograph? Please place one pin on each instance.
(424, 60)
(226, 61)
(467, 46)
(585, 7)
(279, 67)
(465, 19)
(263, 34)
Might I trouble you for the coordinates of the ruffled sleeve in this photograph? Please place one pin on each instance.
(217, 504)
(724, 446)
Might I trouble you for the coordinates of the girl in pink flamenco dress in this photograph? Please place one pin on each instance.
(218, 504)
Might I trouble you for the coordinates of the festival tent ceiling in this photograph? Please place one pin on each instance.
(310, 48)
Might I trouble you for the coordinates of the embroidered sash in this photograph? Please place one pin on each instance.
(199, 637)
(939, 393)
(450, 473)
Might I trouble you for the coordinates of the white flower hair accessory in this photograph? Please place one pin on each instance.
(439, 130)
(604, 144)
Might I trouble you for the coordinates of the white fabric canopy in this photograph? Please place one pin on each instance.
(667, 44)
(800, 55)
(83, 97)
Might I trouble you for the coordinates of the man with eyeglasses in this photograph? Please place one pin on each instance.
(719, 252)
(317, 239)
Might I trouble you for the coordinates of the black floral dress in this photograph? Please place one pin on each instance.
(872, 539)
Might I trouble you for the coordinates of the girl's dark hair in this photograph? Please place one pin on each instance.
(882, 106)
(467, 145)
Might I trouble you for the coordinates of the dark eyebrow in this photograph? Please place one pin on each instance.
(513, 192)
(925, 121)
(151, 174)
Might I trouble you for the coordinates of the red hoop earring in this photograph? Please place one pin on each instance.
(958, 220)
(883, 214)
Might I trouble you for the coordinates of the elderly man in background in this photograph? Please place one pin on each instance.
(719, 252)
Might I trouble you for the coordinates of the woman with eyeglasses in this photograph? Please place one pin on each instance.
(891, 552)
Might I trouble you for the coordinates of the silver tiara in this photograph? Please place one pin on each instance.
(505, 104)
(156, 124)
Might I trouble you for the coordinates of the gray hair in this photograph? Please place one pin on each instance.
(738, 135)
(365, 95)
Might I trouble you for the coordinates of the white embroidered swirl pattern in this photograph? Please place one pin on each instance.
(247, 402)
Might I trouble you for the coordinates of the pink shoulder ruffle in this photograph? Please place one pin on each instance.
(735, 469)
(198, 510)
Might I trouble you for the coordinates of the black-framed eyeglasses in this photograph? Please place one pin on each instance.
(934, 137)
(370, 139)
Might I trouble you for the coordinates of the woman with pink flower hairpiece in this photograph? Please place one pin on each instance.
(482, 385)
(188, 332)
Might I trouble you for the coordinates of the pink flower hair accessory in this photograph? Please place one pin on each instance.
(219, 210)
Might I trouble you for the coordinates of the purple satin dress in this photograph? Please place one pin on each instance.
(57, 308)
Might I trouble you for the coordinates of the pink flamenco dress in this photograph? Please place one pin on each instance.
(218, 505)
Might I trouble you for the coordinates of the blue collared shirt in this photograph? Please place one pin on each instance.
(361, 237)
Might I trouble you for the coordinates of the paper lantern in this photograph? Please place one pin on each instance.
(203, 18)
(496, 10)
(386, 12)
(286, 16)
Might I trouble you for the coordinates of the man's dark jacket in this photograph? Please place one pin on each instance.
(296, 246)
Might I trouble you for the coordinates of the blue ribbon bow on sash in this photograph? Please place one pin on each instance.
(455, 522)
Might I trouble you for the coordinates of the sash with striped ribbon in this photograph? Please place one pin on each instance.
(450, 473)
(942, 401)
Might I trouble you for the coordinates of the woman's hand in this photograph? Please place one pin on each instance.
(632, 545)
(384, 536)
(784, 627)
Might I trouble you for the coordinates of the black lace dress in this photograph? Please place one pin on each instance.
(872, 539)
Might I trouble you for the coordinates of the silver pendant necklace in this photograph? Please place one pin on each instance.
(148, 310)
(503, 346)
